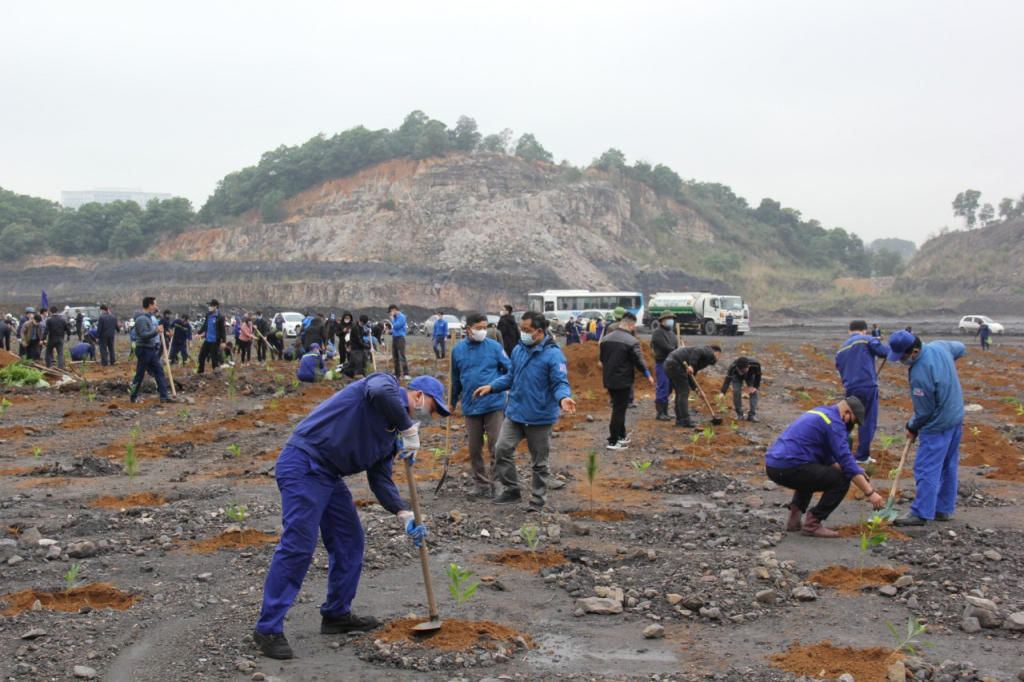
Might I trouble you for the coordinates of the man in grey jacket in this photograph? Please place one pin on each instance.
(148, 336)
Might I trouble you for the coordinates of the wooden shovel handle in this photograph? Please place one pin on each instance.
(424, 558)
(899, 472)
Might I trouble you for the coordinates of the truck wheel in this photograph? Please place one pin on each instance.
(710, 328)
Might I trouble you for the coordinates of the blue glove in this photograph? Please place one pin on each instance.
(417, 533)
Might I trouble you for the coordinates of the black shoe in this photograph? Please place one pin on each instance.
(940, 516)
(686, 425)
(633, 406)
(348, 623)
(753, 418)
(273, 646)
(168, 400)
(910, 519)
(534, 508)
(508, 497)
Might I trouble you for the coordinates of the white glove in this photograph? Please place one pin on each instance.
(405, 516)
(410, 441)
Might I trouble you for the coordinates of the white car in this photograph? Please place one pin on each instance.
(292, 323)
(455, 326)
(969, 324)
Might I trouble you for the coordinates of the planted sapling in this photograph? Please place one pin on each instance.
(131, 464)
(529, 534)
(236, 512)
(185, 414)
(72, 576)
(235, 450)
(911, 642)
(708, 432)
(871, 535)
(231, 383)
(591, 474)
(36, 452)
(4, 404)
(459, 584)
(640, 467)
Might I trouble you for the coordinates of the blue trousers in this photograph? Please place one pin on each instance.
(148, 360)
(439, 346)
(313, 501)
(664, 387)
(935, 472)
(179, 349)
(866, 431)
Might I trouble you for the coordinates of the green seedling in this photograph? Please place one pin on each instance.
(133, 435)
(131, 463)
(91, 397)
(295, 383)
(887, 441)
(83, 388)
(279, 393)
(185, 414)
(640, 467)
(708, 432)
(278, 378)
(236, 512)
(590, 394)
(871, 535)
(231, 383)
(274, 404)
(438, 453)
(911, 643)
(803, 395)
(975, 430)
(459, 584)
(696, 437)
(591, 474)
(235, 450)
(71, 577)
(831, 395)
(4, 404)
(36, 452)
(529, 534)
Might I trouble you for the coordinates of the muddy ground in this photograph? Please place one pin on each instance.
(169, 587)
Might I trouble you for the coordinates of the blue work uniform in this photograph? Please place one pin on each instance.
(82, 350)
(310, 364)
(440, 337)
(179, 341)
(855, 361)
(353, 431)
(985, 332)
(938, 421)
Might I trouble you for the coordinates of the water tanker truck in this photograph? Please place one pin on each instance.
(700, 312)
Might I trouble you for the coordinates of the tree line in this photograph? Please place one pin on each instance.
(30, 225)
(967, 205)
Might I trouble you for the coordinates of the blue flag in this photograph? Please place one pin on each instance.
(46, 300)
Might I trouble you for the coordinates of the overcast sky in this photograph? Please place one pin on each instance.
(865, 115)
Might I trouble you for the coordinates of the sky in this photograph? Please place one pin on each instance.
(868, 115)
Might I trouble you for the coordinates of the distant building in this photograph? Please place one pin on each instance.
(105, 195)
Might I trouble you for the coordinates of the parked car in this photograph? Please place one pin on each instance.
(292, 323)
(969, 324)
(455, 326)
(558, 320)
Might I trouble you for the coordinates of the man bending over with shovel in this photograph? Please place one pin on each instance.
(360, 428)
(813, 455)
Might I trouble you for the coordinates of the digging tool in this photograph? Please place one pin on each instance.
(889, 512)
(167, 362)
(447, 432)
(435, 619)
(717, 421)
(444, 476)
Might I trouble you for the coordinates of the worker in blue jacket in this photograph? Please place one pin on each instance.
(82, 351)
(985, 332)
(182, 336)
(399, 330)
(311, 366)
(813, 455)
(937, 423)
(439, 337)
(855, 361)
(360, 428)
(476, 362)
(538, 388)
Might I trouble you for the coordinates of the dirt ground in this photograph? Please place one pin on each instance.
(168, 585)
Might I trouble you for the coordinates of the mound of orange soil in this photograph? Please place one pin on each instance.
(96, 595)
(454, 635)
(828, 661)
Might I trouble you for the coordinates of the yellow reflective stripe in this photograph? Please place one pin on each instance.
(821, 414)
(852, 345)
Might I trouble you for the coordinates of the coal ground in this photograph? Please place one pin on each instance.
(700, 545)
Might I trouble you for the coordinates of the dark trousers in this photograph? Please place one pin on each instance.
(620, 404)
(677, 374)
(276, 348)
(738, 383)
(5, 341)
(55, 346)
(439, 347)
(211, 350)
(356, 365)
(244, 351)
(261, 350)
(33, 349)
(179, 349)
(485, 473)
(807, 479)
(108, 355)
(398, 356)
(148, 360)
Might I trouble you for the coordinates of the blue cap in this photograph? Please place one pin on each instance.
(314, 346)
(435, 389)
(30, 309)
(899, 343)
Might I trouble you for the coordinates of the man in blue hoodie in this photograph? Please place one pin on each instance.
(360, 428)
(439, 337)
(311, 366)
(399, 330)
(855, 361)
(538, 387)
(148, 336)
(476, 362)
(937, 423)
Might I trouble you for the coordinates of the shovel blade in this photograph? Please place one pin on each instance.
(429, 625)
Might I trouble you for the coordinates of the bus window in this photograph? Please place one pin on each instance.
(549, 306)
(629, 302)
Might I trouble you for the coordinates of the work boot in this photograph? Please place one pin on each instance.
(752, 417)
(794, 522)
(662, 409)
(168, 400)
(508, 497)
(812, 526)
(481, 491)
(273, 646)
(686, 424)
(348, 622)
(910, 519)
(941, 516)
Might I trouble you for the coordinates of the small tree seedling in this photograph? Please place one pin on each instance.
(708, 432)
(231, 383)
(131, 464)
(235, 450)
(36, 452)
(591, 474)
(734, 426)
(274, 404)
(912, 641)
(295, 383)
(459, 584)
(695, 438)
(185, 414)
(871, 535)
(133, 435)
(975, 430)
(236, 512)
(529, 534)
(640, 467)
(72, 576)
(803, 395)
(4, 404)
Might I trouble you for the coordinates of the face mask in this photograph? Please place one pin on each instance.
(479, 334)
(421, 412)
(527, 339)
(669, 323)
(907, 361)
(212, 309)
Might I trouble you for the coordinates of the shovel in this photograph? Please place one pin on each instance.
(435, 619)
(889, 511)
(717, 421)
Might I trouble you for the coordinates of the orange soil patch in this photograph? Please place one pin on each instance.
(133, 500)
(455, 635)
(527, 560)
(585, 375)
(829, 662)
(82, 419)
(12, 433)
(990, 448)
(697, 462)
(96, 595)
(853, 530)
(599, 514)
(610, 492)
(16, 471)
(232, 539)
(851, 580)
(7, 358)
(42, 482)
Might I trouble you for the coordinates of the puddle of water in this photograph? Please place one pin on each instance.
(569, 650)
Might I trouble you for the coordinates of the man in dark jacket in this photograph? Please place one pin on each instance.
(181, 335)
(509, 329)
(56, 331)
(79, 321)
(663, 342)
(681, 366)
(214, 334)
(620, 354)
(316, 333)
(358, 349)
(5, 335)
(262, 326)
(744, 375)
(106, 330)
(149, 334)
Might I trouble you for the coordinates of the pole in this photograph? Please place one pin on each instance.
(167, 362)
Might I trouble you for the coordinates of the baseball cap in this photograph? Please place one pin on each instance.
(435, 389)
(314, 346)
(899, 343)
(30, 309)
(214, 302)
(857, 406)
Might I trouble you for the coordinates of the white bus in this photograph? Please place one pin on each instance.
(577, 301)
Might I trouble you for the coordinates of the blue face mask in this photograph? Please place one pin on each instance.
(527, 339)
(670, 323)
(907, 361)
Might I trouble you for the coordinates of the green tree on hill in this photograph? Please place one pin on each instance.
(18, 240)
(966, 206)
(127, 238)
(529, 149)
(464, 136)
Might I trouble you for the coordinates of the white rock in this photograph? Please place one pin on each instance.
(600, 606)
(1015, 621)
(654, 631)
(485, 533)
(84, 672)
